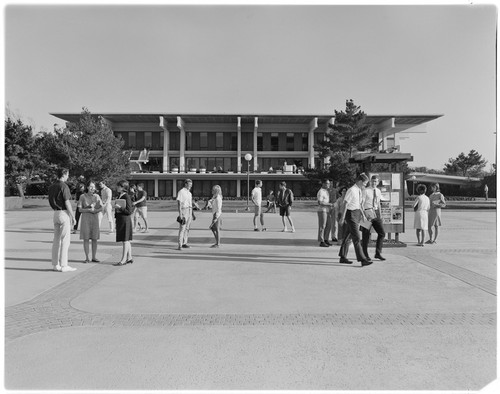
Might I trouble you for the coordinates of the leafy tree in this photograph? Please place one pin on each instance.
(465, 165)
(88, 148)
(348, 134)
(21, 157)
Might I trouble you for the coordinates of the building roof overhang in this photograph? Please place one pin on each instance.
(396, 121)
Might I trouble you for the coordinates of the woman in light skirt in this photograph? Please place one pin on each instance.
(421, 208)
(216, 202)
(437, 202)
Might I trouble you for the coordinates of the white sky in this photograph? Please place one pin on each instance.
(391, 60)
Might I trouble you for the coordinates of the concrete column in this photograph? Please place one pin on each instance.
(166, 143)
(156, 187)
(313, 125)
(238, 188)
(255, 128)
(174, 188)
(182, 145)
(238, 159)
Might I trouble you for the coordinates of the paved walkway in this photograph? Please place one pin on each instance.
(268, 310)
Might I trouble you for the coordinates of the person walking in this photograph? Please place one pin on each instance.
(107, 209)
(285, 201)
(185, 208)
(338, 206)
(90, 205)
(486, 192)
(371, 205)
(80, 189)
(257, 202)
(421, 208)
(140, 205)
(437, 201)
(324, 206)
(123, 216)
(351, 215)
(215, 226)
(63, 219)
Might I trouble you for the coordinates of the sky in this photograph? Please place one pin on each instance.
(258, 59)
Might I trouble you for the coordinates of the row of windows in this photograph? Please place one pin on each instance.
(218, 141)
(203, 188)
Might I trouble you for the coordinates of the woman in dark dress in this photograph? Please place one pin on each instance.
(123, 216)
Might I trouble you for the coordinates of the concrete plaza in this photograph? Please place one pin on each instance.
(268, 310)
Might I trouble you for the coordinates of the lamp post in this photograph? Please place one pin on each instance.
(413, 178)
(248, 157)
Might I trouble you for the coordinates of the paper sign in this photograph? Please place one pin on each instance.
(385, 211)
(395, 198)
(386, 196)
(396, 181)
(397, 215)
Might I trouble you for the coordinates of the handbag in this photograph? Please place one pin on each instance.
(415, 208)
(181, 220)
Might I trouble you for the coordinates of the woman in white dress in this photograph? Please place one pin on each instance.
(216, 202)
(421, 208)
(437, 202)
(90, 206)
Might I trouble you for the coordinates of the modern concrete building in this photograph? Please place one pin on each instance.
(211, 149)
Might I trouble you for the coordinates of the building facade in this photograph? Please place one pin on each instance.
(211, 149)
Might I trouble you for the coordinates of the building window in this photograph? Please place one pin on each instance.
(305, 141)
(274, 141)
(289, 141)
(131, 140)
(175, 138)
(219, 141)
(260, 142)
(148, 139)
(203, 141)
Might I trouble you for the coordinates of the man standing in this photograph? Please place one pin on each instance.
(324, 207)
(371, 204)
(332, 228)
(352, 214)
(185, 207)
(285, 201)
(257, 202)
(107, 209)
(486, 192)
(60, 201)
(140, 204)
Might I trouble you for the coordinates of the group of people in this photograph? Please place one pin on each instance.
(91, 208)
(345, 215)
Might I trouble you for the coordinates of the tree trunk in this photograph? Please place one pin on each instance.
(20, 189)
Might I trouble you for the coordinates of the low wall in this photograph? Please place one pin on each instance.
(13, 203)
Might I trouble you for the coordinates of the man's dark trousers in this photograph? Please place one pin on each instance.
(351, 231)
(379, 228)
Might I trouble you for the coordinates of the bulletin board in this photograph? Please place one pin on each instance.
(392, 211)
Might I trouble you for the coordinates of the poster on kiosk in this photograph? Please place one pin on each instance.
(392, 203)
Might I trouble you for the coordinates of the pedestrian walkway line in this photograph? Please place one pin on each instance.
(479, 281)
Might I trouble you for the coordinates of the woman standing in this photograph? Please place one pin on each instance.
(437, 202)
(216, 202)
(421, 208)
(90, 206)
(123, 215)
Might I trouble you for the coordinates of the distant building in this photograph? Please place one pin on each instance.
(210, 149)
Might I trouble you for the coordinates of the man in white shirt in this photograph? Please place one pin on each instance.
(107, 209)
(371, 205)
(185, 207)
(324, 206)
(257, 202)
(351, 215)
